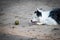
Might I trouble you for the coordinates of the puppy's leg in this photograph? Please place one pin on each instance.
(39, 23)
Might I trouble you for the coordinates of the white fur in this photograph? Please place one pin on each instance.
(44, 19)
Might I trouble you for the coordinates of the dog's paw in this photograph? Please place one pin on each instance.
(39, 23)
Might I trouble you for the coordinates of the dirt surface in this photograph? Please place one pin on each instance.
(22, 10)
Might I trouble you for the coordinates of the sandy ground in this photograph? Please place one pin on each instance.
(23, 11)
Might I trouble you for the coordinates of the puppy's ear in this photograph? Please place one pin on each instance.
(35, 12)
(39, 10)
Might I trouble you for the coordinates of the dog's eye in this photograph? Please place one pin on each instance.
(38, 13)
(35, 12)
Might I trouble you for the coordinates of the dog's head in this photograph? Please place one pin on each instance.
(51, 17)
(40, 16)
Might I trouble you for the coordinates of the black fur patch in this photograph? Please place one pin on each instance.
(55, 14)
(38, 13)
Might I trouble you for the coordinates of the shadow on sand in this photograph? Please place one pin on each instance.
(14, 37)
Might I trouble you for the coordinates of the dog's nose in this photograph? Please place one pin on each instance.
(31, 20)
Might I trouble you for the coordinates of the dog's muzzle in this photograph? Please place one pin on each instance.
(33, 21)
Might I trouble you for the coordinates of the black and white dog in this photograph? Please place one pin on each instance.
(46, 17)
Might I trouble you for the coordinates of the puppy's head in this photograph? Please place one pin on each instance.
(39, 16)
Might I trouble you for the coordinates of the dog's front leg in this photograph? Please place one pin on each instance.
(39, 23)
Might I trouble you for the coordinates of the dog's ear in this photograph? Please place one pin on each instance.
(35, 12)
(39, 10)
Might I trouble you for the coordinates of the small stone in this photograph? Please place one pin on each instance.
(56, 29)
(30, 33)
(17, 22)
(13, 27)
(33, 30)
(28, 30)
(54, 39)
(39, 31)
(54, 33)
